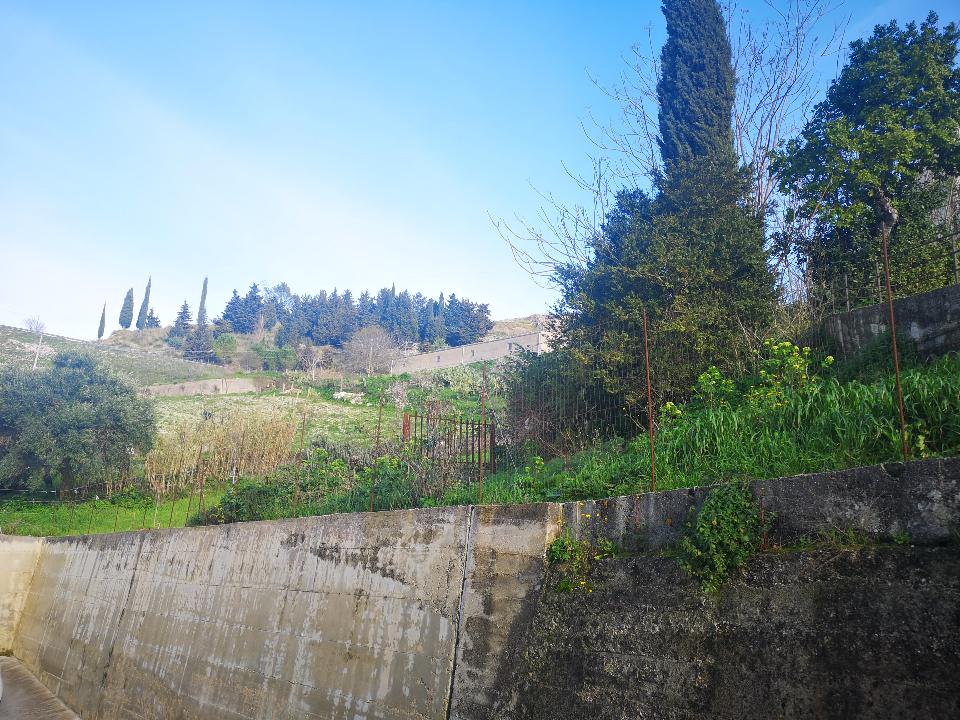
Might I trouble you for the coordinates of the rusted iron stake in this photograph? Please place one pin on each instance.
(376, 453)
(653, 454)
(483, 431)
(893, 343)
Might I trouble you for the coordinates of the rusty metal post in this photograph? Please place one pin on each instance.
(483, 431)
(893, 343)
(376, 453)
(406, 428)
(653, 455)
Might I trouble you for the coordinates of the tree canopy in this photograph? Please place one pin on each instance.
(74, 423)
(886, 136)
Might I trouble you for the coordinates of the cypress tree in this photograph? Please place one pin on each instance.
(126, 311)
(202, 310)
(697, 85)
(199, 345)
(144, 306)
(103, 322)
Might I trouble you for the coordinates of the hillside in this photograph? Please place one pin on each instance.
(515, 326)
(138, 365)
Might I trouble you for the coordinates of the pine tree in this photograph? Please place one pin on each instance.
(152, 320)
(103, 322)
(181, 326)
(126, 311)
(142, 315)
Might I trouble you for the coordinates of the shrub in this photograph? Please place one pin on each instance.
(722, 536)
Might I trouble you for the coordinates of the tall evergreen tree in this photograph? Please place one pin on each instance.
(144, 306)
(697, 85)
(103, 322)
(126, 310)
(199, 343)
(692, 256)
(202, 310)
(181, 326)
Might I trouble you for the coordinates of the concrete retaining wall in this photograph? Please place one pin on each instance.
(435, 613)
(18, 559)
(215, 386)
(932, 320)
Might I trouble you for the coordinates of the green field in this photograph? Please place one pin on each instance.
(139, 367)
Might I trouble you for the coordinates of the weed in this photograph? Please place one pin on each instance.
(721, 536)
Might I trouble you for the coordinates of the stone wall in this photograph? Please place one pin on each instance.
(214, 386)
(453, 613)
(465, 354)
(932, 320)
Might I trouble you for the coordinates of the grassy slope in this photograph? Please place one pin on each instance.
(17, 348)
(96, 516)
(333, 420)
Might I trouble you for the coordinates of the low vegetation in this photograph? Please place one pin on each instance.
(794, 417)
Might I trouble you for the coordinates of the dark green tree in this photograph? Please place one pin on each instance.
(697, 85)
(72, 424)
(202, 310)
(199, 343)
(144, 306)
(181, 326)
(103, 322)
(126, 311)
(878, 152)
(152, 320)
(693, 255)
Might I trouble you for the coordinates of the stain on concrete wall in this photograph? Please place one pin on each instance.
(18, 558)
(869, 633)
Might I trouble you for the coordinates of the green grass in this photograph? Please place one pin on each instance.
(18, 347)
(42, 518)
(826, 426)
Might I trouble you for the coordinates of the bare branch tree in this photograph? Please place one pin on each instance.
(34, 325)
(370, 350)
(776, 63)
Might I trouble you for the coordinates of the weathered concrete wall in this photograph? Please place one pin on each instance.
(214, 386)
(338, 617)
(932, 320)
(451, 612)
(869, 633)
(477, 352)
(18, 558)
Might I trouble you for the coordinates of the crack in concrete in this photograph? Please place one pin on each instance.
(467, 554)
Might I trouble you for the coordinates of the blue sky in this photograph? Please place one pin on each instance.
(326, 145)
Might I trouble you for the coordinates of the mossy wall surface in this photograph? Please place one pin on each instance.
(830, 633)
